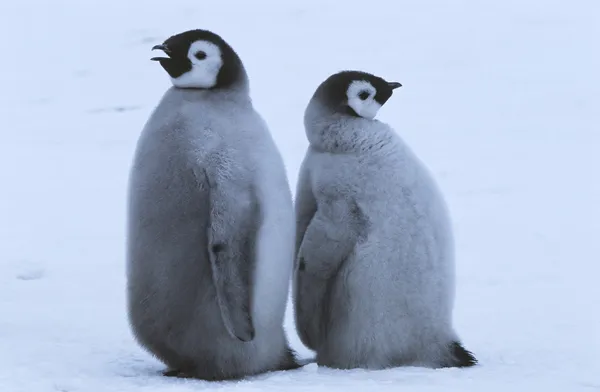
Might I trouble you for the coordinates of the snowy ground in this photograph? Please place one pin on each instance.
(501, 99)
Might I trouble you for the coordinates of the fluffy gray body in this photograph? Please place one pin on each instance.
(374, 281)
(210, 237)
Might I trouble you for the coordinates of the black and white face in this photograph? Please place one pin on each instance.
(356, 93)
(199, 59)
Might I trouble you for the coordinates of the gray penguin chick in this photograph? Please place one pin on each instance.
(374, 278)
(210, 225)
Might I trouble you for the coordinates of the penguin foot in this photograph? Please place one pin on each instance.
(175, 373)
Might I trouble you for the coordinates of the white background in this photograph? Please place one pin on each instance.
(500, 99)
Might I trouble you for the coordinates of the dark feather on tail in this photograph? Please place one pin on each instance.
(292, 361)
(460, 356)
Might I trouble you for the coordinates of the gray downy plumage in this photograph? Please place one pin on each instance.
(374, 277)
(210, 241)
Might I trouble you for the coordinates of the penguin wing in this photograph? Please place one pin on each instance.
(331, 237)
(305, 303)
(305, 202)
(235, 219)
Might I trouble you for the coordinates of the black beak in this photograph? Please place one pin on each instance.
(164, 49)
(394, 85)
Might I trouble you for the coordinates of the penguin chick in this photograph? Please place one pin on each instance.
(210, 225)
(374, 280)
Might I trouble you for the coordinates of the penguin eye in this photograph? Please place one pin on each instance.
(200, 55)
(363, 95)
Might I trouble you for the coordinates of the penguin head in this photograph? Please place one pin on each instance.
(355, 93)
(200, 59)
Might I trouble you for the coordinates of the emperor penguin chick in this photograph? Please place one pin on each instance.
(374, 280)
(210, 231)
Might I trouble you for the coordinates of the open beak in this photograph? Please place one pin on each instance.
(394, 85)
(164, 49)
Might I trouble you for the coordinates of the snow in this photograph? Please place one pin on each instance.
(500, 99)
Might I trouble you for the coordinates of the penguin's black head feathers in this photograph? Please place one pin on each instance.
(200, 59)
(355, 93)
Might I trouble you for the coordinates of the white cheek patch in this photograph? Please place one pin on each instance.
(366, 108)
(204, 72)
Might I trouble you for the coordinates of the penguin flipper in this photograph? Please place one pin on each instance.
(305, 205)
(330, 239)
(235, 220)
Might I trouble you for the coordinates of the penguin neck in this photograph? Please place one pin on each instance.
(338, 132)
(238, 92)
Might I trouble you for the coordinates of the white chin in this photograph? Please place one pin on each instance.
(187, 82)
(370, 114)
(368, 109)
(197, 77)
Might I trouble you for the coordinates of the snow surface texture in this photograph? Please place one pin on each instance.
(500, 99)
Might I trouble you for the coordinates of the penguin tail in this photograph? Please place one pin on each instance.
(291, 360)
(460, 357)
(306, 361)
